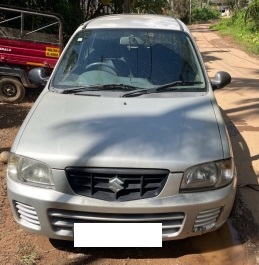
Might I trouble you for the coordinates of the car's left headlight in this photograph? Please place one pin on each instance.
(29, 171)
(208, 176)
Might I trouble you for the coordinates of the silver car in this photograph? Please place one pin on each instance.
(127, 129)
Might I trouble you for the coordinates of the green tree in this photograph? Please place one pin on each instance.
(252, 13)
(149, 6)
(75, 12)
(181, 9)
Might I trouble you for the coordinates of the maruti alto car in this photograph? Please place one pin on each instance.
(127, 129)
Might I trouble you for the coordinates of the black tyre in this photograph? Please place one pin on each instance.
(11, 90)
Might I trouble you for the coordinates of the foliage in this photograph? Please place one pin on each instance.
(204, 14)
(181, 9)
(252, 13)
(244, 34)
(239, 4)
(75, 12)
(149, 6)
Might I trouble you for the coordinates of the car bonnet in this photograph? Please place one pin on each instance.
(139, 132)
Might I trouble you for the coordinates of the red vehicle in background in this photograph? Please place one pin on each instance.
(28, 39)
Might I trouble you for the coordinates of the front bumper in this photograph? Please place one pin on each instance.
(53, 213)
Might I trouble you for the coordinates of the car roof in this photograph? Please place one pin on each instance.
(141, 21)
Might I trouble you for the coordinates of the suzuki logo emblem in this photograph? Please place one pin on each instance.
(116, 184)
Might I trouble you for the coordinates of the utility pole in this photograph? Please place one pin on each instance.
(126, 6)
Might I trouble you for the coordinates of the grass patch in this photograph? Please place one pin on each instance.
(204, 14)
(28, 254)
(245, 34)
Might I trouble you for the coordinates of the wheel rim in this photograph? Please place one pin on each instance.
(9, 90)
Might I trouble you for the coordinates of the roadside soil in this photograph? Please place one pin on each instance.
(234, 243)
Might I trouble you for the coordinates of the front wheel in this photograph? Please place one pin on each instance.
(11, 90)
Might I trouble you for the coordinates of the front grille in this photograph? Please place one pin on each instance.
(63, 220)
(207, 219)
(27, 214)
(116, 184)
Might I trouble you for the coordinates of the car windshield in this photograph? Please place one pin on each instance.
(128, 59)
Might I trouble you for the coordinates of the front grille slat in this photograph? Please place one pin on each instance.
(116, 184)
(117, 217)
(24, 206)
(198, 221)
(29, 220)
(150, 186)
(205, 223)
(64, 220)
(59, 223)
(133, 186)
(207, 218)
(23, 209)
(101, 186)
(27, 214)
(208, 215)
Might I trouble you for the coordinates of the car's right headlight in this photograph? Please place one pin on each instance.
(29, 171)
(208, 176)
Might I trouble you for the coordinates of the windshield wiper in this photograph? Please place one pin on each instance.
(163, 88)
(167, 87)
(116, 87)
(139, 92)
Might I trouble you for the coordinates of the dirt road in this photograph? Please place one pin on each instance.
(235, 243)
(240, 104)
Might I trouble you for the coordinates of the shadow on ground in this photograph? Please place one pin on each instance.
(223, 239)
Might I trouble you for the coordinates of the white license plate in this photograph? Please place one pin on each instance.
(118, 235)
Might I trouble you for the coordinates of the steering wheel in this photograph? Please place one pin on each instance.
(103, 67)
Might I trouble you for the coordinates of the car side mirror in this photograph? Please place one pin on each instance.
(220, 80)
(38, 75)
